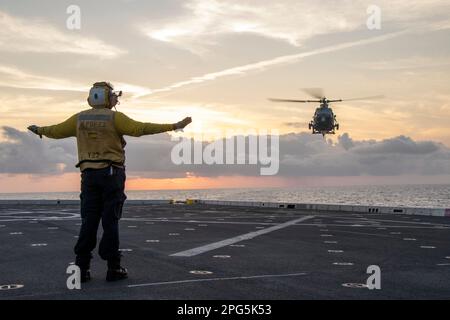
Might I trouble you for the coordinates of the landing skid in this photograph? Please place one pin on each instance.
(323, 132)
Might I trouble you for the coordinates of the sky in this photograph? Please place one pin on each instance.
(219, 62)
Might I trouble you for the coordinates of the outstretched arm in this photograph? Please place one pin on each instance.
(127, 126)
(65, 129)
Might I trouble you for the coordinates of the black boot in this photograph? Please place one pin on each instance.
(85, 275)
(116, 274)
(84, 262)
(115, 271)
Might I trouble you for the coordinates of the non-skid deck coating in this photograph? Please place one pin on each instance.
(221, 252)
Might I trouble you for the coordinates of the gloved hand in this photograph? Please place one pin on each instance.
(183, 123)
(34, 128)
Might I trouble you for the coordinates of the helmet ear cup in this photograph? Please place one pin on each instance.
(99, 95)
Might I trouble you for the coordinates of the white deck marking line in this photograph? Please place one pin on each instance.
(227, 242)
(407, 222)
(425, 226)
(39, 219)
(367, 234)
(370, 226)
(216, 279)
(281, 216)
(213, 222)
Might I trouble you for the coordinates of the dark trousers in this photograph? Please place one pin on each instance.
(102, 197)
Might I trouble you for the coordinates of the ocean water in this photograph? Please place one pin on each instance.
(433, 196)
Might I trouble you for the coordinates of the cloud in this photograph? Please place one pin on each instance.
(291, 21)
(297, 125)
(281, 60)
(23, 153)
(16, 78)
(418, 27)
(414, 62)
(301, 154)
(306, 155)
(36, 36)
(13, 77)
(345, 141)
(399, 145)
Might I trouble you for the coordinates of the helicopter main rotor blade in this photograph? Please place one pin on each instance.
(314, 92)
(362, 98)
(290, 100)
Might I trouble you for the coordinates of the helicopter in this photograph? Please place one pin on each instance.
(324, 120)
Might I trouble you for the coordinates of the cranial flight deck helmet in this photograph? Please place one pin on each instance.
(100, 95)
